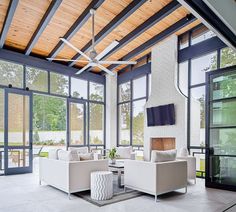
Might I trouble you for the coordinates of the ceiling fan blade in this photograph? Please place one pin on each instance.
(76, 49)
(83, 69)
(118, 62)
(107, 50)
(60, 59)
(105, 69)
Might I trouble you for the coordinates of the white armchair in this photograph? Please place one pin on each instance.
(155, 178)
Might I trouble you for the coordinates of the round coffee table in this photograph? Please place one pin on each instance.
(101, 185)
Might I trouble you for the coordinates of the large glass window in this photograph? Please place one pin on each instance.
(200, 65)
(59, 84)
(227, 57)
(36, 79)
(138, 122)
(183, 78)
(79, 88)
(139, 87)
(132, 120)
(124, 92)
(76, 123)
(124, 124)
(96, 124)
(197, 112)
(200, 34)
(1, 118)
(11, 73)
(96, 91)
(49, 121)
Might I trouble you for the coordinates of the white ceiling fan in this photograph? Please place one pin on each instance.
(94, 59)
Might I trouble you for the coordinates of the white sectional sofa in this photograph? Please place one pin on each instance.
(69, 176)
(155, 178)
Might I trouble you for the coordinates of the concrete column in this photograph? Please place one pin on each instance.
(111, 111)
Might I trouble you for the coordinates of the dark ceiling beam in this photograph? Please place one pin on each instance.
(157, 17)
(215, 23)
(157, 38)
(129, 10)
(146, 56)
(82, 19)
(42, 25)
(7, 22)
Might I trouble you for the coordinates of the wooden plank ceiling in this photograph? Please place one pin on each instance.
(29, 13)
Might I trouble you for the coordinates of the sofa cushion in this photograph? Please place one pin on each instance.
(68, 155)
(162, 156)
(83, 149)
(183, 152)
(53, 154)
(124, 152)
(85, 156)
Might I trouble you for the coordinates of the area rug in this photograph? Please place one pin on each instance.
(119, 195)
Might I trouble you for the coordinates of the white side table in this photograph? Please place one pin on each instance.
(191, 165)
(101, 185)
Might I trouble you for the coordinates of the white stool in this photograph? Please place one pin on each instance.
(101, 185)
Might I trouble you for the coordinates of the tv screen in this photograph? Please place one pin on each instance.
(161, 115)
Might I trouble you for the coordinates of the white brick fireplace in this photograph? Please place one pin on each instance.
(164, 91)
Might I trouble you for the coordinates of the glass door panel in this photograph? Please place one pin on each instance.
(221, 129)
(77, 123)
(18, 132)
(1, 131)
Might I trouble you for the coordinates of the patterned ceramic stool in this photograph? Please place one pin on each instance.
(101, 185)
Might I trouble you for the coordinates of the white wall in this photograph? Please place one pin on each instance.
(111, 111)
(164, 91)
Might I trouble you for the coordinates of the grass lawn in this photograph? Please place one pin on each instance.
(43, 154)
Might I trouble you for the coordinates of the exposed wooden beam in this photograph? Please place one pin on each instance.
(162, 35)
(7, 22)
(129, 10)
(165, 11)
(42, 25)
(146, 56)
(82, 19)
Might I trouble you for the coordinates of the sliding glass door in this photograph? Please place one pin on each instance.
(17, 132)
(76, 131)
(221, 129)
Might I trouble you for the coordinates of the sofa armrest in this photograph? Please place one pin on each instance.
(140, 175)
(171, 175)
(191, 164)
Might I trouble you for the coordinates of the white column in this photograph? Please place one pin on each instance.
(111, 111)
(164, 91)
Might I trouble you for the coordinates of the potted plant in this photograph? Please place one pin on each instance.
(112, 155)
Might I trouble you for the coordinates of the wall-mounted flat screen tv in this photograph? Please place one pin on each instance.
(161, 115)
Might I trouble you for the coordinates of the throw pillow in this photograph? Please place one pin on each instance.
(162, 156)
(184, 152)
(67, 156)
(80, 149)
(85, 156)
(53, 154)
(124, 152)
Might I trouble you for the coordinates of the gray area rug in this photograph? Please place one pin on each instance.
(118, 195)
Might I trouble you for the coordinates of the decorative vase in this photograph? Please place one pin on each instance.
(113, 161)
